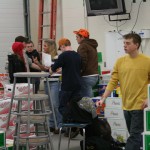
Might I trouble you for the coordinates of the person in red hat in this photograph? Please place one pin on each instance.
(17, 62)
(88, 52)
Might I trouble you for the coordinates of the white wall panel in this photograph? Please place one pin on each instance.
(73, 19)
(11, 25)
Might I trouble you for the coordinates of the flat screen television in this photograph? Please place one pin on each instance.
(105, 7)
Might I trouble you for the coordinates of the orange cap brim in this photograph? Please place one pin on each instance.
(76, 32)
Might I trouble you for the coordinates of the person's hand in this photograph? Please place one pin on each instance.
(100, 102)
(145, 104)
(35, 60)
(47, 68)
(59, 70)
(50, 71)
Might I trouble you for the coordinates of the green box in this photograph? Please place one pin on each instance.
(147, 142)
(99, 57)
(147, 120)
(95, 92)
(2, 139)
(10, 148)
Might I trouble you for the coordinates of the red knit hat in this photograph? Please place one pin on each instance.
(17, 48)
(82, 32)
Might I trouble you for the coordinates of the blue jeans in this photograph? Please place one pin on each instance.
(54, 91)
(87, 83)
(135, 124)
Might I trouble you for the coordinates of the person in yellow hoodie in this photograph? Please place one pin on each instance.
(132, 71)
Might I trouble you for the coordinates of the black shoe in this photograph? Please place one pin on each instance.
(66, 134)
(52, 129)
(74, 133)
(56, 131)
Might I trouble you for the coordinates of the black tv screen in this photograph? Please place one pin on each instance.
(105, 7)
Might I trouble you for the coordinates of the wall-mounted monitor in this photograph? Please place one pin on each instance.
(105, 7)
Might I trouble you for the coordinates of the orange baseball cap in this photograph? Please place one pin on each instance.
(82, 32)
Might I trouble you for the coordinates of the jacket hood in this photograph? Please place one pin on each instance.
(91, 42)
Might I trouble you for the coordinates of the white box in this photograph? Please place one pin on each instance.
(4, 119)
(120, 135)
(113, 113)
(4, 78)
(23, 128)
(21, 88)
(117, 123)
(113, 102)
(5, 106)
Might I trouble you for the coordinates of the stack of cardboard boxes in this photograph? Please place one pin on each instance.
(5, 99)
(146, 133)
(115, 117)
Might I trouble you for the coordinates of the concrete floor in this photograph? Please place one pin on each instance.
(74, 143)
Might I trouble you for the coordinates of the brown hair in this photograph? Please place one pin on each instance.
(136, 38)
(52, 48)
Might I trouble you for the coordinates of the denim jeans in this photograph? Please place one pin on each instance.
(87, 83)
(135, 125)
(54, 91)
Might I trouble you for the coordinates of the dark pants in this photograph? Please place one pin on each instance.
(36, 84)
(135, 124)
(64, 107)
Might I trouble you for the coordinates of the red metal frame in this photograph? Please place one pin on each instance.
(53, 19)
(53, 14)
(40, 28)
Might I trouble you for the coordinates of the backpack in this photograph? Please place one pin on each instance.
(95, 143)
(16, 65)
(98, 137)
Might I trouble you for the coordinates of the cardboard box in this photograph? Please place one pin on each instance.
(146, 119)
(113, 113)
(120, 135)
(23, 128)
(4, 79)
(21, 88)
(146, 141)
(117, 123)
(113, 102)
(5, 106)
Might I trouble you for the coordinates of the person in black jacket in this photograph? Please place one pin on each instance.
(33, 53)
(70, 62)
